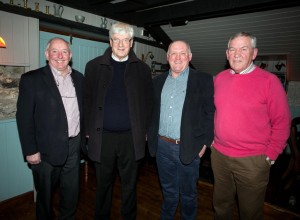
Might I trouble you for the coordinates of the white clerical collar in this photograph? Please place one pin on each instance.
(117, 59)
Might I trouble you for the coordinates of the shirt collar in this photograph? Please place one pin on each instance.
(58, 73)
(249, 69)
(182, 74)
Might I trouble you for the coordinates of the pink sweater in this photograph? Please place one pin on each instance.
(252, 114)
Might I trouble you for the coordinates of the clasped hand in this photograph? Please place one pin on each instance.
(34, 159)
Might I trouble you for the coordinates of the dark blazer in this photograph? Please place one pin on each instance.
(197, 122)
(41, 117)
(138, 84)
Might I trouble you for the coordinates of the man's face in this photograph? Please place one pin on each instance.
(121, 44)
(240, 53)
(178, 57)
(58, 55)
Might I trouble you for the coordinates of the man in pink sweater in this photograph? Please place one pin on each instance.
(252, 124)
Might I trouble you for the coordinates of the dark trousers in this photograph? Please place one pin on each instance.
(47, 176)
(117, 155)
(245, 177)
(178, 182)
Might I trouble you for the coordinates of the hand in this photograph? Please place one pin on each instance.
(201, 153)
(34, 159)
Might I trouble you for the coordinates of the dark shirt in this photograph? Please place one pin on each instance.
(116, 111)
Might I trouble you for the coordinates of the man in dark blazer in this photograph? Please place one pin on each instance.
(50, 120)
(181, 130)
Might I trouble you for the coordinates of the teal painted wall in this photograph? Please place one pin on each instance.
(15, 175)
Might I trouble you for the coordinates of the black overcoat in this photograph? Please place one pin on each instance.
(138, 83)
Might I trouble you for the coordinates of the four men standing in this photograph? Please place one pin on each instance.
(121, 106)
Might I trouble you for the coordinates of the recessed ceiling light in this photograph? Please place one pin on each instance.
(117, 1)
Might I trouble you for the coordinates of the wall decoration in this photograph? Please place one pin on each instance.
(276, 64)
(9, 90)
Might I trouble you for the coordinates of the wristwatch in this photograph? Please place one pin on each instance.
(271, 162)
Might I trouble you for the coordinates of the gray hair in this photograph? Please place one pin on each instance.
(57, 38)
(244, 34)
(121, 28)
(186, 43)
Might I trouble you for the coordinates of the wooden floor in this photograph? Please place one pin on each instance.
(149, 200)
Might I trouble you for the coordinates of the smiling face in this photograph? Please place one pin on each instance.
(59, 55)
(121, 44)
(178, 57)
(240, 53)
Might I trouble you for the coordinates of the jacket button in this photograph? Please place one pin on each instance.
(98, 129)
(100, 108)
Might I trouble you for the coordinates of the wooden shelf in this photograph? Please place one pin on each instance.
(48, 20)
(51, 19)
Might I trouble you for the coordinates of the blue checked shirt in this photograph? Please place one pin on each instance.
(172, 99)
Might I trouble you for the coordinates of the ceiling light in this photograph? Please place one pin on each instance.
(179, 23)
(163, 5)
(117, 1)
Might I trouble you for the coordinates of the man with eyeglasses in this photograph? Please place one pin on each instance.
(118, 103)
(50, 123)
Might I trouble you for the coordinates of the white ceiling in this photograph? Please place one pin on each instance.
(277, 32)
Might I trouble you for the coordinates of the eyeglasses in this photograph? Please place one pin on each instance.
(124, 41)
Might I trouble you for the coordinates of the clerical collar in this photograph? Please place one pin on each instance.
(117, 59)
(249, 69)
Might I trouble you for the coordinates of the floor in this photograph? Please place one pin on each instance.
(149, 197)
(277, 193)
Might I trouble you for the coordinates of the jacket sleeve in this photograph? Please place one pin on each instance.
(209, 109)
(149, 97)
(25, 115)
(88, 95)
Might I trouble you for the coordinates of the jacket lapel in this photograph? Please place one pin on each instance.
(190, 86)
(78, 89)
(51, 84)
(162, 81)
